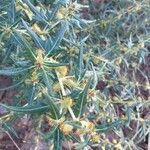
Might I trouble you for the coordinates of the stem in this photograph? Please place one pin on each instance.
(11, 138)
(71, 113)
(61, 85)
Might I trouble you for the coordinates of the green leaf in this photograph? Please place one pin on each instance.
(12, 11)
(59, 37)
(23, 42)
(32, 91)
(54, 111)
(10, 71)
(12, 86)
(128, 114)
(81, 101)
(38, 41)
(105, 127)
(80, 67)
(52, 13)
(82, 145)
(36, 108)
(48, 43)
(22, 63)
(9, 129)
(47, 81)
(64, 2)
(9, 49)
(58, 138)
(49, 64)
(72, 137)
(80, 62)
(38, 13)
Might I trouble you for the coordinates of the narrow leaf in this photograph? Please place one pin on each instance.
(23, 42)
(34, 9)
(54, 111)
(12, 86)
(9, 129)
(10, 71)
(47, 81)
(81, 101)
(52, 13)
(27, 109)
(36, 39)
(60, 35)
(80, 62)
(80, 67)
(58, 137)
(105, 127)
(12, 11)
(49, 64)
(82, 145)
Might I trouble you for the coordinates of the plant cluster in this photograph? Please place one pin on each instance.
(80, 69)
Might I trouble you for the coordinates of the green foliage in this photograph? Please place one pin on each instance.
(81, 101)
(80, 67)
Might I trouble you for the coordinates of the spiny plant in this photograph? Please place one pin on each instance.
(58, 60)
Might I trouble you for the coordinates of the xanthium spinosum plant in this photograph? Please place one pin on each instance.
(70, 71)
